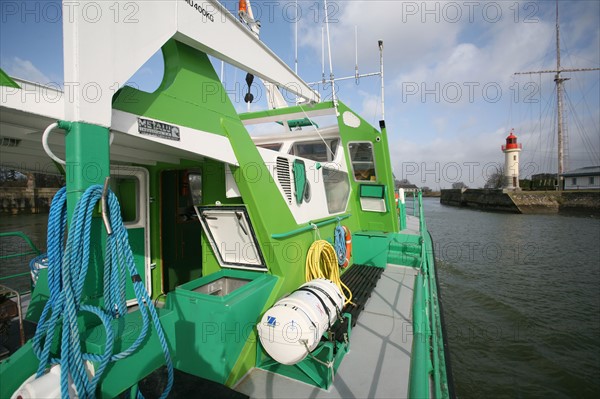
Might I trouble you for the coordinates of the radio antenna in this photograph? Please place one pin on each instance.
(296, 40)
(356, 53)
(323, 55)
(331, 77)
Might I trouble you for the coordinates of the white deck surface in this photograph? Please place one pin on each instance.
(378, 363)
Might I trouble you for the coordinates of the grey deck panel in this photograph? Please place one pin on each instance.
(412, 226)
(378, 363)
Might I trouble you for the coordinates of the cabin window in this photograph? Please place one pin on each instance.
(316, 150)
(271, 146)
(363, 161)
(195, 180)
(337, 189)
(591, 180)
(574, 181)
(126, 188)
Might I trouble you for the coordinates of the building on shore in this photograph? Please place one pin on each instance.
(587, 178)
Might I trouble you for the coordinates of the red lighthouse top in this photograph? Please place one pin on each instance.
(511, 142)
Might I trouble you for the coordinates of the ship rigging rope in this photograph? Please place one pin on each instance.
(321, 262)
(67, 271)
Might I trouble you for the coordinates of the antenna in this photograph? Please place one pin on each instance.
(364, 75)
(323, 55)
(356, 53)
(380, 43)
(296, 41)
(331, 77)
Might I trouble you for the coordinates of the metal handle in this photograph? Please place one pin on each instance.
(104, 205)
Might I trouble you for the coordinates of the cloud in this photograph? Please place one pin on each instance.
(468, 68)
(24, 69)
(377, 20)
(449, 159)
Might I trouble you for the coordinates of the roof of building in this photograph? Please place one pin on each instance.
(586, 171)
(540, 176)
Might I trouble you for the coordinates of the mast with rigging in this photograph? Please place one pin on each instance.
(559, 99)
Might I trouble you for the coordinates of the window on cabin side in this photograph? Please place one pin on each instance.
(363, 161)
(127, 191)
(271, 146)
(337, 189)
(316, 150)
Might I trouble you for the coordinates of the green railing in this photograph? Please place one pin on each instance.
(33, 250)
(311, 226)
(428, 374)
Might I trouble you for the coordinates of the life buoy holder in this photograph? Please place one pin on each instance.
(348, 246)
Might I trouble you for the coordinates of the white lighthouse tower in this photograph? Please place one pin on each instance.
(511, 152)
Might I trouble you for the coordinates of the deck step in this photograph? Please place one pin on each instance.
(403, 259)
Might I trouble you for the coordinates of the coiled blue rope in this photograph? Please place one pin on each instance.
(340, 244)
(67, 270)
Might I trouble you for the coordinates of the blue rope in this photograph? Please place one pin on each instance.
(67, 270)
(340, 244)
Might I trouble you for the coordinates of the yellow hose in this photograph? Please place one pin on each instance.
(321, 262)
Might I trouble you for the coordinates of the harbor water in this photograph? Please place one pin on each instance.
(521, 296)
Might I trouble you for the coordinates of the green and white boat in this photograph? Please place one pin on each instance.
(281, 266)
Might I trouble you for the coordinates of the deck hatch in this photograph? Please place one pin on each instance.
(232, 237)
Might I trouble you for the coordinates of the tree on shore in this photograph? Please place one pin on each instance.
(496, 179)
(459, 185)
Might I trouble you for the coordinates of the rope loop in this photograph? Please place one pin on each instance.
(321, 262)
(67, 271)
(340, 244)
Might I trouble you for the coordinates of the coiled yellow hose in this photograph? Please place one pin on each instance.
(321, 262)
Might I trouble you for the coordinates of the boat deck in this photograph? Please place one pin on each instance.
(378, 363)
(412, 226)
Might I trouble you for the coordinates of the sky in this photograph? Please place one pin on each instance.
(451, 96)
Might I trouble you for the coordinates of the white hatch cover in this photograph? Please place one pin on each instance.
(232, 237)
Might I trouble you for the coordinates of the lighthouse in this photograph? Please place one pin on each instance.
(511, 152)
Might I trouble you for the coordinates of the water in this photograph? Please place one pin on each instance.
(522, 302)
(521, 296)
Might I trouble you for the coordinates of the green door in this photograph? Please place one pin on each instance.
(130, 184)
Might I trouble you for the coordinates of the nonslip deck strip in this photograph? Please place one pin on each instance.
(361, 280)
